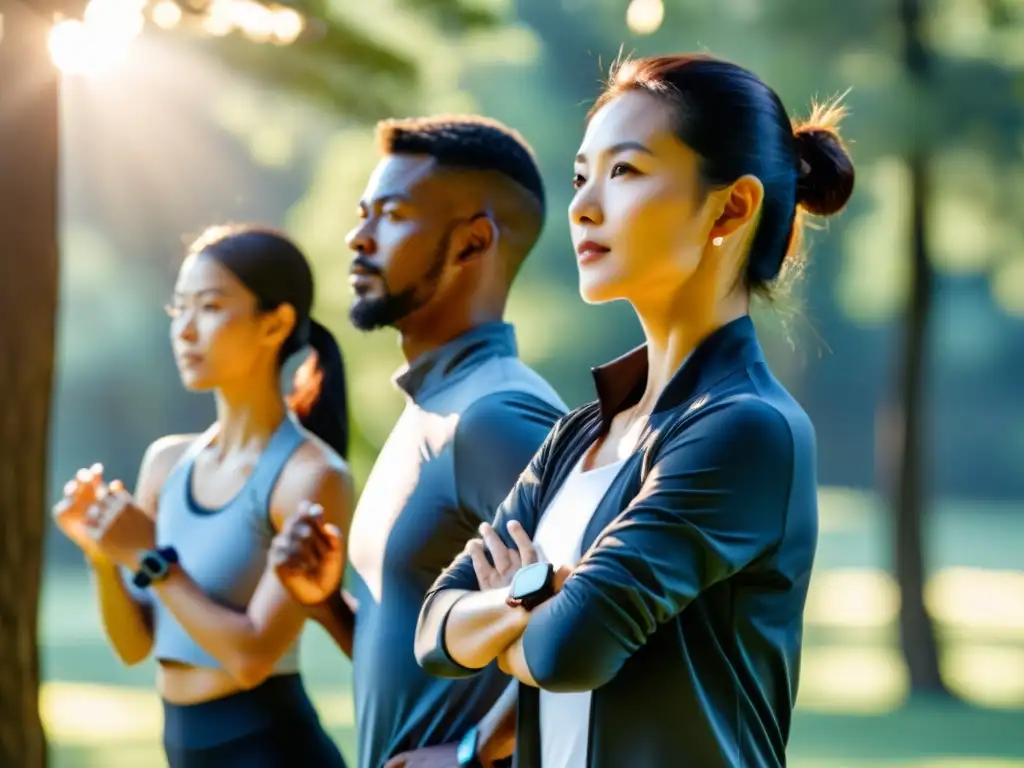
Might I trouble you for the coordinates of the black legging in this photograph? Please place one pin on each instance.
(271, 726)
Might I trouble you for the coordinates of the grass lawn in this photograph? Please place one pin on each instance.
(852, 711)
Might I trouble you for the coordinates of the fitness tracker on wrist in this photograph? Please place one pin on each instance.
(531, 586)
(154, 566)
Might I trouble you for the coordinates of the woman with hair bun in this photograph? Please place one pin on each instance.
(645, 580)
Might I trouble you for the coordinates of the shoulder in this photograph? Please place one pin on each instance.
(746, 426)
(315, 472)
(161, 456)
(158, 462)
(487, 417)
(581, 420)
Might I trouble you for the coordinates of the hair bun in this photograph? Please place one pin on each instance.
(826, 170)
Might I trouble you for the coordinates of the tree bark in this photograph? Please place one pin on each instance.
(917, 630)
(29, 147)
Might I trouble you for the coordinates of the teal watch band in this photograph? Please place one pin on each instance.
(467, 754)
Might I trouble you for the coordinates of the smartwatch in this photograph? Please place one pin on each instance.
(531, 586)
(154, 566)
(466, 753)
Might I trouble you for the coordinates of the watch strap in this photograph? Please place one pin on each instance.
(467, 752)
(143, 577)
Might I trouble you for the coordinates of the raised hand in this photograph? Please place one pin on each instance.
(69, 514)
(118, 528)
(307, 555)
(506, 561)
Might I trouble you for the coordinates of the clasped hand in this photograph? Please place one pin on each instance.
(103, 520)
(505, 561)
(307, 555)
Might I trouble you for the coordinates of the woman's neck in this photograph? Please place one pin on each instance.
(673, 334)
(248, 413)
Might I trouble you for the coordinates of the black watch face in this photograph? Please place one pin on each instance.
(153, 565)
(530, 579)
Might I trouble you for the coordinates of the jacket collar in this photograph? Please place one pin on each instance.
(620, 383)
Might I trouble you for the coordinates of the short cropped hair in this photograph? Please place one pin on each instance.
(465, 142)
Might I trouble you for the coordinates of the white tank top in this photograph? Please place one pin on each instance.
(565, 717)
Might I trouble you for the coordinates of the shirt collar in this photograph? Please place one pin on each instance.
(431, 371)
(620, 383)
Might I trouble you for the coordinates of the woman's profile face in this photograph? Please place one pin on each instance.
(639, 226)
(217, 335)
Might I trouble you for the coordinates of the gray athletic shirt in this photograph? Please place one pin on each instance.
(475, 415)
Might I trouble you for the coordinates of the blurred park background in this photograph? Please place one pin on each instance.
(904, 340)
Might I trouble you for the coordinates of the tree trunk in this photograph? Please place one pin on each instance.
(29, 103)
(917, 631)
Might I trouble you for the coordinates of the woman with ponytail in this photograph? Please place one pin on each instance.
(181, 564)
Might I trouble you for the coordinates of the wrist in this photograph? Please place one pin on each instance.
(100, 562)
(522, 616)
(515, 616)
(485, 745)
(327, 609)
(154, 566)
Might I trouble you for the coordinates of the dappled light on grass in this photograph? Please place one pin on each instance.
(852, 598)
(977, 599)
(986, 675)
(979, 612)
(861, 680)
(82, 714)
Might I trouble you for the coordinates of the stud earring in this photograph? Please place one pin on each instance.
(716, 241)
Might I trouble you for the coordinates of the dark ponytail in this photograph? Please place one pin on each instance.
(270, 265)
(319, 396)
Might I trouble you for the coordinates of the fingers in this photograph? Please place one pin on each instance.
(481, 567)
(304, 542)
(527, 552)
(85, 487)
(333, 534)
(306, 529)
(107, 507)
(62, 506)
(91, 478)
(295, 555)
(99, 518)
(499, 552)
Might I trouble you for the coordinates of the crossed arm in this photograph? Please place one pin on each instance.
(712, 503)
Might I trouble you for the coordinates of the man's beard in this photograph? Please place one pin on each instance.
(370, 314)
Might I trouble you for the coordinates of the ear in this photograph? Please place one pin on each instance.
(740, 204)
(278, 324)
(474, 239)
